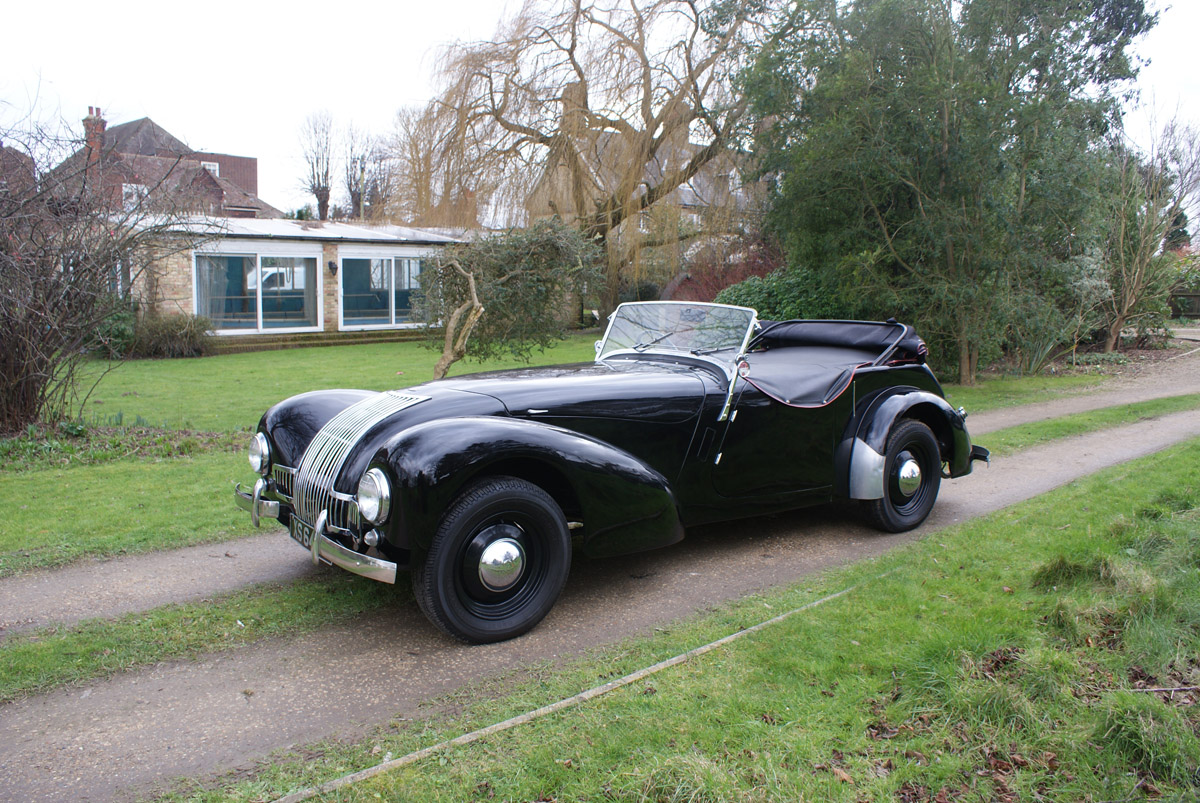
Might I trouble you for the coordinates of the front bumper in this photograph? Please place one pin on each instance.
(322, 548)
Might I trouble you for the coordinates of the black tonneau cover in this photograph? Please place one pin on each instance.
(810, 363)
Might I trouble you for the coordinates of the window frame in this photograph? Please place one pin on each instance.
(391, 255)
(257, 251)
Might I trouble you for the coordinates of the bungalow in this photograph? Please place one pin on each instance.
(255, 276)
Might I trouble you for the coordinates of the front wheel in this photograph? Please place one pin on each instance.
(912, 475)
(497, 562)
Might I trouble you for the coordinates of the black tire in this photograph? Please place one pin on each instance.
(449, 583)
(903, 508)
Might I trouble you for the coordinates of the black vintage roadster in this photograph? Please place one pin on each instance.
(691, 413)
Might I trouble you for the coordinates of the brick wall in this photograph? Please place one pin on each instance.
(165, 284)
(330, 284)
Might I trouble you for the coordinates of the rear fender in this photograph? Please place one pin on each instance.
(861, 454)
(625, 505)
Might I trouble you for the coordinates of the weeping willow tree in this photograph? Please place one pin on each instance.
(600, 113)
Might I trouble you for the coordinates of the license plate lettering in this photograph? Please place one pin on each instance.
(301, 532)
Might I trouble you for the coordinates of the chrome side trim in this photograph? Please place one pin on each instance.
(866, 472)
(324, 457)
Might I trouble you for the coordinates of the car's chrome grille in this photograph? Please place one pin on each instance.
(324, 457)
(285, 480)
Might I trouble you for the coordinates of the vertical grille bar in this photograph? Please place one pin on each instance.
(324, 457)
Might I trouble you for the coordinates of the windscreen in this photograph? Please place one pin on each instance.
(678, 327)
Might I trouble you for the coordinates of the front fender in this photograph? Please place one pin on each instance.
(865, 441)
(625, 505)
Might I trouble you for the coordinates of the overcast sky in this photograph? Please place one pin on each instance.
(240, 77)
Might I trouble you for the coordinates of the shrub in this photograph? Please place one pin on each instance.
(789, 293)
(171, 336)
(642, 291)
(115, 335)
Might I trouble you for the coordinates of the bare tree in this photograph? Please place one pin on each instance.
(1150, 192)
(316, 144)
(358, 145)
(413, 148)
(445, 176)
(72, 246)
(605, 109)
(369, 174)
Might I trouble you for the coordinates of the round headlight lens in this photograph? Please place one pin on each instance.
(260, 453)
(374, 496)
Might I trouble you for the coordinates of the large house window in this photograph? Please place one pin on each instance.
(378, 291)
(226, 292)
(252, 292)
(289, 292)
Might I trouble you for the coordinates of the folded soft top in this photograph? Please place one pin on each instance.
(810, 363)
(865, 335)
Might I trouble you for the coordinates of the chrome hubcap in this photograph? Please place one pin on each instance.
(501, 564)
(908, 477)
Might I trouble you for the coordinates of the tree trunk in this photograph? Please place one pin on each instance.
(1113, 334)
(612, 276)
(966, 371)
(458, 331)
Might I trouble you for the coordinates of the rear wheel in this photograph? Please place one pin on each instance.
(497, 562)
(912, 476)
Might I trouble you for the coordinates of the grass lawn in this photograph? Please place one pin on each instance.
(1011, 658)
(54, 516)
(40, 660)
(231, 391)
(1023, 436)
(1009, 391)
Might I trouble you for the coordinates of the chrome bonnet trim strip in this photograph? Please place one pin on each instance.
(325, 456)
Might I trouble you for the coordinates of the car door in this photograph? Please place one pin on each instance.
(770, 449)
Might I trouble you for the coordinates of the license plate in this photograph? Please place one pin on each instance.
(302, 532)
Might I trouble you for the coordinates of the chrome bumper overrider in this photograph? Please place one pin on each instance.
(322, 548)
(259, 508)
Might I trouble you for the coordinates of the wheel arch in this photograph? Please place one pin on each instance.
(860, 455)
(540, 472)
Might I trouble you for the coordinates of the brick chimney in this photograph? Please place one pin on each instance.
(93, 137)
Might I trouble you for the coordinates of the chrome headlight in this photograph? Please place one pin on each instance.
(374, 496)
(260, 453)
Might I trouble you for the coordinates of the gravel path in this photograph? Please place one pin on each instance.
(1175, 376)
(115, 739)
